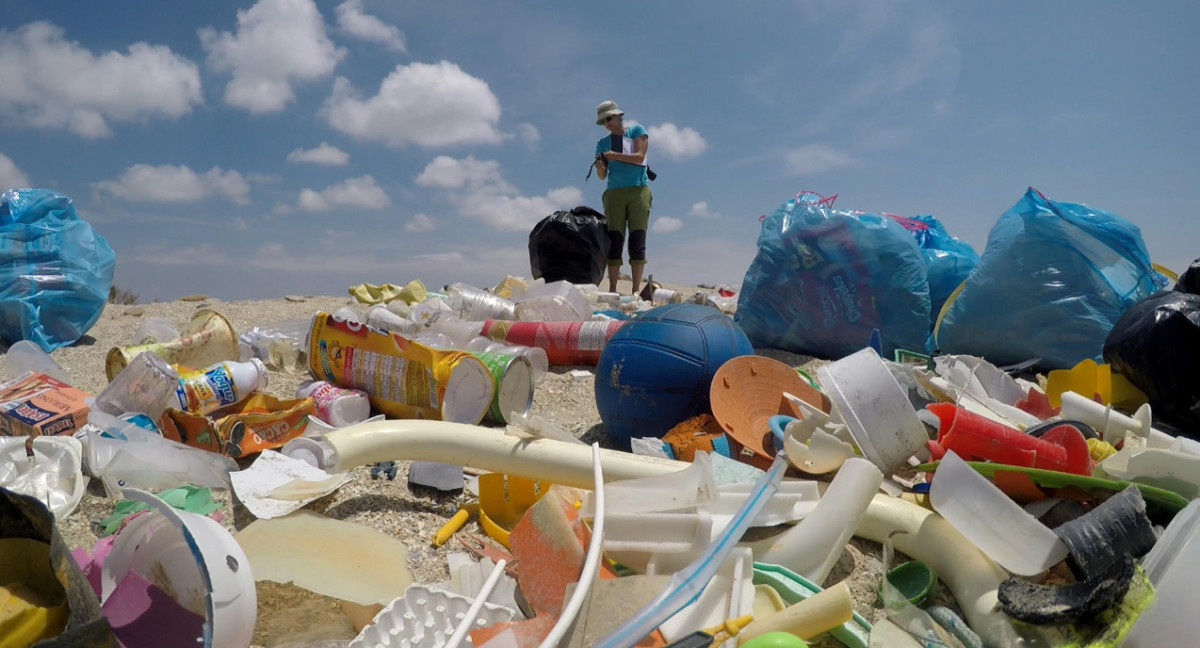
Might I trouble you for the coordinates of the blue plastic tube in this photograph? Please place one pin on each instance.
(688, 583)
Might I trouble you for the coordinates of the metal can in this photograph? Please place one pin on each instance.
(513, 377)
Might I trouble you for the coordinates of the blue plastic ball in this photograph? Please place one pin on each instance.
(656, 370)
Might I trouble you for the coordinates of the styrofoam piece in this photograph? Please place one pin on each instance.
(1174, 471)
(194, 557)
(54, 474)
(674, 532)
(424, 618)
(811, 547)
(1171, 565)
(683, 489)
(730, 594)
(875, 408)
(992, 521)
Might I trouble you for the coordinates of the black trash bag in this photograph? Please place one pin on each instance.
(22, 516)
(1189, 281)
(1156, 345)
(570, 246)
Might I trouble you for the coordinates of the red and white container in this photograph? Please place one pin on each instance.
(335, 405)
(565, 343)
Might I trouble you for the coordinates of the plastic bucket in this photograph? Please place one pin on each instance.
(875, 408)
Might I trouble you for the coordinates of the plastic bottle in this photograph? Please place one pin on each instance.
(220, 385)
(476, 304)
(336, 406)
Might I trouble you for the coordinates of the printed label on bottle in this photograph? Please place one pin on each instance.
(205, 391)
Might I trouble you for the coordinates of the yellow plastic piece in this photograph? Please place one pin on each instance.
(32, 601)
(412, 292)
(455, 523)
(731, 627)
(503, 500)
(1095, 381)
(1100, 450)
(25, 619)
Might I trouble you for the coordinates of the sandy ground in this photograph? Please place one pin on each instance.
(291, 616)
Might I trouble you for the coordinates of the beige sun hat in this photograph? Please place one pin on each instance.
(605, 109)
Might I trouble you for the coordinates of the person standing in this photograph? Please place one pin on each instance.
(621, 159)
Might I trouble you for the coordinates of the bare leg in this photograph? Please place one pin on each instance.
(614, 271)
(636, 272)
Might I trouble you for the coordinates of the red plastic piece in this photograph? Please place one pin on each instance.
(977, 438)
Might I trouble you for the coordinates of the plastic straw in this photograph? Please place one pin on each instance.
(468, 620)
(687, 584)
(591, 565)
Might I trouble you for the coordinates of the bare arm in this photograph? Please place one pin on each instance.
(640, 146)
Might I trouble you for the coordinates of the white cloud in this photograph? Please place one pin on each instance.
(701, 210)
(815, 158)
(529, 134)
(664, 224)
(477, 189)
(420, 223)
(173, 184)
(446, 172)
(323, 154)
(12, 177)
(277, 42)
(49, 82)
(424, 104)
(361, 192)
(353, 21)
(676, 143)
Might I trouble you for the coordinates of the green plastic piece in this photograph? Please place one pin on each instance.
(193, 499)
(914, 579)
(1169, 501)
(793, 588)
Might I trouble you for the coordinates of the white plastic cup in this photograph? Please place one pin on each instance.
(24, 356)
(155, 329)
(875, 408)
(380, 316)
(147, 385)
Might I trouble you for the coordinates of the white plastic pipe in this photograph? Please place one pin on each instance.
(970, 575)
(591, 565)
(472, 446)
(812, 546)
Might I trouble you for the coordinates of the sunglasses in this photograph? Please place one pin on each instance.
(611, 117)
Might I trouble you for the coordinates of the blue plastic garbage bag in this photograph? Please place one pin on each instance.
(948, 261)
(1051, 283)
(824, 278)
(55, 270)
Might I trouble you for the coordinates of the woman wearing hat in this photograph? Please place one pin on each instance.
(621, 158)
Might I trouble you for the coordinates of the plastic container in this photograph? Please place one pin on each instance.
(24, 356)
(336, 406)
(220, 385)
(459, 331)
(565, 343)
(476, 304)
(155, 329)
(196, 559)
(382, 317)
(1172, 566)
(875, 408)
(557, 301)
(147, 385)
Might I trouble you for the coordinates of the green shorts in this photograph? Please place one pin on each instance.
(627, 207)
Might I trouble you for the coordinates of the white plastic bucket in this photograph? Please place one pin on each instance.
(875, 408)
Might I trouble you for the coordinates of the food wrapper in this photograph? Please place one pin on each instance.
(261, 422)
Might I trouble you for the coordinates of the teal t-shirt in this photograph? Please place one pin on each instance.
(623, 174)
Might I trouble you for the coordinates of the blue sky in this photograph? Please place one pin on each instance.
(254, 150)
